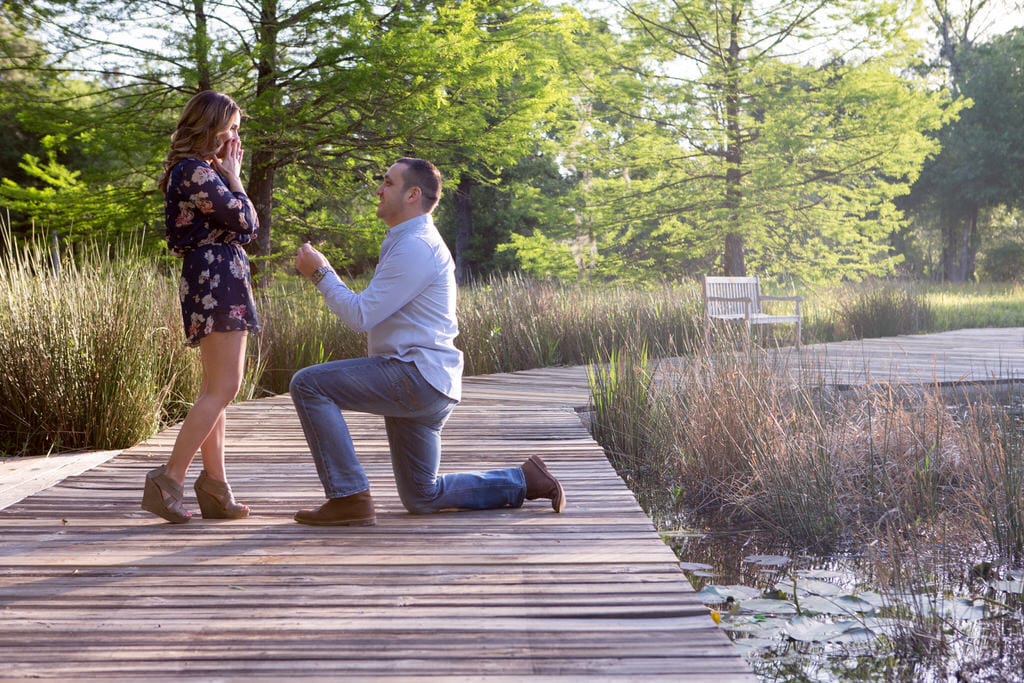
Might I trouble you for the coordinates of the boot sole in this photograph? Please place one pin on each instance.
(372, 521)
(558, 499)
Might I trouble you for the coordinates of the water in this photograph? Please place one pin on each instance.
(867, 616)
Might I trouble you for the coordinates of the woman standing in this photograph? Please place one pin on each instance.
(208, 219)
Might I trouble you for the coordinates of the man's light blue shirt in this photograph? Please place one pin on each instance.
(408, 309)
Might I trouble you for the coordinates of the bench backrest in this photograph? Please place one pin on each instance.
(731, 288)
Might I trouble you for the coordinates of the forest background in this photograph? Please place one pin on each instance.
(803, 141)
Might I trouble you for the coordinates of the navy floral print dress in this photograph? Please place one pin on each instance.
(206, 225)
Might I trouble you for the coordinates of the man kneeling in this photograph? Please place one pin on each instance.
(412, 375)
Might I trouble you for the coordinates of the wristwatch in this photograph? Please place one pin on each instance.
(319, 273)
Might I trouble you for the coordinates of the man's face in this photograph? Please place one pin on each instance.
(392, 197)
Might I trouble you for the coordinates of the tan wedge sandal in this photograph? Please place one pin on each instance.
(163, 497)
(216, 500)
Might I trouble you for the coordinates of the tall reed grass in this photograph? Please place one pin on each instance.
(93, 357)
(745, 443)
(509, 324)
(299, 330)
(631, 424)
(90, 351)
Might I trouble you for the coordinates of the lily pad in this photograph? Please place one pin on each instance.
(876, 600)
(749, 626)
(958, 609)
(807, 630)
(806, 586)
(713, 595)
(749, 644)
(767, 606)
(767, 560)
(885, 626)
(963, 609)
(841, 605)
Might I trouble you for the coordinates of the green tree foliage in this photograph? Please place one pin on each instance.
(523, 198)
(768, 136)
(668, 138)
(333, 90)
(513, 90)
(18, 55)
(981, 165)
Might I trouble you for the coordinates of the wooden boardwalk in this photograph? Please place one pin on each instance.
(971, 356)
(92, 587)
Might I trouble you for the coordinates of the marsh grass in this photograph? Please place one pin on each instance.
(976, 305)
(995, 441)
(92, 351)
(920, 490)
(508, 324)
(746, 445)
(633, 439)
(883, 310)
(90, 356)
(299, 330)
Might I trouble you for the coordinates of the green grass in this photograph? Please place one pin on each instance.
(963, 306)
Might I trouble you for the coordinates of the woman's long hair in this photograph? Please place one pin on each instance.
(206, 114)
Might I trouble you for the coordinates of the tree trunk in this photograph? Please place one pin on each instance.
(263, 164)
(951, 239)
(972, 241)
(261, 192)
(201, 46)
(959, 244)
(733, 261)
(463, 229)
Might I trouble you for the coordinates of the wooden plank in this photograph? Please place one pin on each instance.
(21, 477)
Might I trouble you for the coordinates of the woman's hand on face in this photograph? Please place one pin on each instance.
(231, 163)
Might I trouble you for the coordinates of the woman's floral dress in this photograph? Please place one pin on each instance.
(206, 225)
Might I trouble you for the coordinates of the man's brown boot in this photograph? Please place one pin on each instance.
(354, 510)
(540, 483)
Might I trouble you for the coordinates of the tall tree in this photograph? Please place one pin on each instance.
(777, 134)
(981, 165)
(512, 90)
(949, 195)
(19, 55)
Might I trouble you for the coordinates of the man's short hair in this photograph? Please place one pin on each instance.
(424, 175)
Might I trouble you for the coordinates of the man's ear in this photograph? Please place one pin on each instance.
(414, 193)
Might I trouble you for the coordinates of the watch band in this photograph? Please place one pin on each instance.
(319, 273)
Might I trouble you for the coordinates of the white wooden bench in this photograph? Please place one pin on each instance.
(739, 299)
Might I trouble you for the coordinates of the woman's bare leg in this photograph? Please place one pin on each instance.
(213, 450)
(223, 358)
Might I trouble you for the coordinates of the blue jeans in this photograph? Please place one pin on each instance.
(414, 413)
